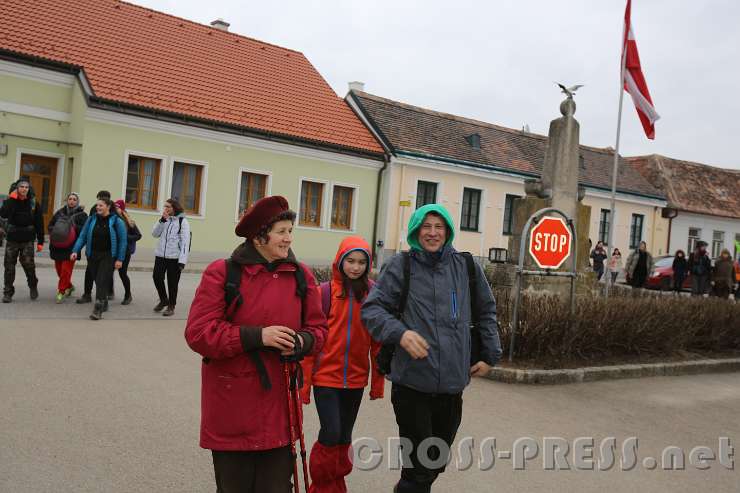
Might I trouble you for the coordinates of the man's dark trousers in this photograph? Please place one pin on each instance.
(420, 416)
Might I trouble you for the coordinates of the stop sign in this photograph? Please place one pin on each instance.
(550, 242)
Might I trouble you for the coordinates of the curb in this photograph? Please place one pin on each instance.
(131, 268)
(596, 373)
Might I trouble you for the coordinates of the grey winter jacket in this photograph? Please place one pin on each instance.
(174, 240)
(438, 309)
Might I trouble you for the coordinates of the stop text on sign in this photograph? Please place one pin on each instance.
(550, 242)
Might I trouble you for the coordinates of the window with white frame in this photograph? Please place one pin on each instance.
(718, 243)
(312, 198)
(426, 193)
(252, 187)
(694, 238)
(604, 226)
(509, 213)
(142, 182)
(187, 181)
(341, 207)
(636, 230)
(470, 209)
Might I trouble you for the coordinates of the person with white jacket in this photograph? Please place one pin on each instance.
(170, 254)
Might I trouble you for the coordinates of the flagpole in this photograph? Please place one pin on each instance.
(613, 212)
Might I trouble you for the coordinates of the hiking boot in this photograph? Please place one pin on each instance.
(126, 300)
(7, 298)
(34, 292)
(169, 311)
(160, 306)
(59, 298)
(97, 313)
(85, 298)
(68, 292)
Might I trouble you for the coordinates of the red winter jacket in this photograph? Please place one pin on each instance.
(349, 353)
(237, 413)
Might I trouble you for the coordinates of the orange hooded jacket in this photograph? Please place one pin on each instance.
(348, 356)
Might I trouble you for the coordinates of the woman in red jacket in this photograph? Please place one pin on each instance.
(339, 373)
(244, 405)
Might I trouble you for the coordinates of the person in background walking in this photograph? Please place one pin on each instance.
(24, 223)
(599, 255)
(246, 418)
(700, 266)
(89, 272)
(170, 254)
(680, 270)
(340, 373)
(65, 225)
(615, 265)
(104, 237)
(639, 265)
(133, 235)
(723, 275)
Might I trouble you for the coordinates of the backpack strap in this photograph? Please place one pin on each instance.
(406, 266)
(326, 297)
(472, 282)
(232, 294)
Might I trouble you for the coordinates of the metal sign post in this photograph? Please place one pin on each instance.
(524, 249)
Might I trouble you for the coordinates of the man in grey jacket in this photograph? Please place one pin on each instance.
(431, 364)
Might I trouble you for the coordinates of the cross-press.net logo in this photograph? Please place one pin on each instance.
(549, 453)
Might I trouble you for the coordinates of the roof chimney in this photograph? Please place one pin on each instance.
(356, 85)
(220, 24)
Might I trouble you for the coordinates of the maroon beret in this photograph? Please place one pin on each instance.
(260, 214)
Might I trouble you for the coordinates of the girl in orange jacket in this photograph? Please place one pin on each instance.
(339, 373)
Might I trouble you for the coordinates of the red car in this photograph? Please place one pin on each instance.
(662, 276)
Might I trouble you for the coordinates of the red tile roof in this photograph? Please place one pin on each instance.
(148, 59)
(420, 131)
(692, 187)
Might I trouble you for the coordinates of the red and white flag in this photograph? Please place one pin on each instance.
(634, 81)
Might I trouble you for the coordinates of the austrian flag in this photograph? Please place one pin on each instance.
(634, 81)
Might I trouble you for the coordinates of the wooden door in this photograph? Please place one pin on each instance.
(41, 172)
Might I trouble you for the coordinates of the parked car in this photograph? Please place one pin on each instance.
(662, 276)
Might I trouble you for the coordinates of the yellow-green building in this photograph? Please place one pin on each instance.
(195, 112)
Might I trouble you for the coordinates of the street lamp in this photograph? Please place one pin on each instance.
(498, 255)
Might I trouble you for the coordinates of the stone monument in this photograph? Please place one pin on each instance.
(558, 188)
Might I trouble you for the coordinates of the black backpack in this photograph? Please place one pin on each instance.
(190, 243)
(385, 356)
(234, 299)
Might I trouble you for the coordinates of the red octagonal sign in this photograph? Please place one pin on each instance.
(550, 242)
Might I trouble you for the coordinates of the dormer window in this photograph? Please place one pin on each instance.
(473, 140)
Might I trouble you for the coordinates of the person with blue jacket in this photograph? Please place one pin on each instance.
(431, 363)
(104, 237)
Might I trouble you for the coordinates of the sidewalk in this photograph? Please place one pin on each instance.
(142, 261)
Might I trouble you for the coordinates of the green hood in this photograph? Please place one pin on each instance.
(417, 218)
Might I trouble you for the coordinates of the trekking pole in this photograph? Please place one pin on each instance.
(291, 429)
(299, 410)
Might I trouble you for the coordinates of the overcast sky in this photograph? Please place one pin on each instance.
(496, 60)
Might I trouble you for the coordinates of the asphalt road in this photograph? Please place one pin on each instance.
(113, 406)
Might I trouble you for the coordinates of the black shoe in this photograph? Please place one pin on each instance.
(7, 298)
(169, 311)
(160, 306)
(85, 298)
(126, 300)
(97, 313)
(34, 293)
